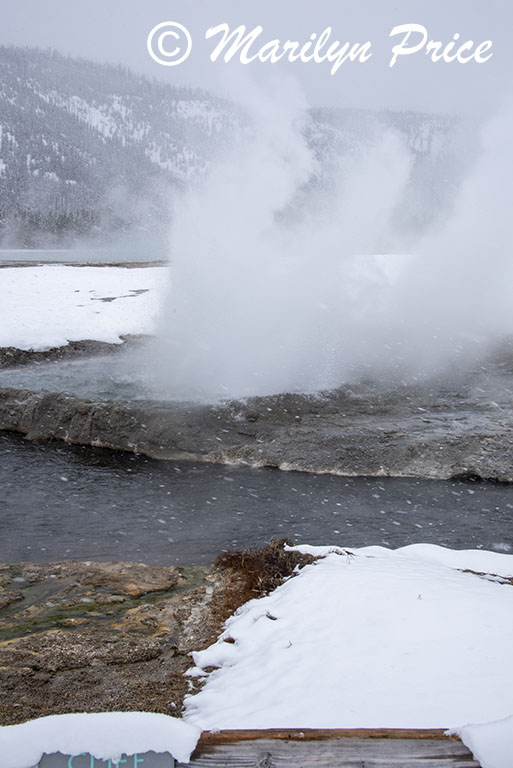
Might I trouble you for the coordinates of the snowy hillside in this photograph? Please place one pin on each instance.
(93, 151)
(86, 146)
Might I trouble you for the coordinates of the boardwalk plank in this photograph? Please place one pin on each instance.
(372, 748)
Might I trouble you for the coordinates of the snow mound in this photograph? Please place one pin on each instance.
(106, 736)
(478, 560)
(373, 638)
(490, 743)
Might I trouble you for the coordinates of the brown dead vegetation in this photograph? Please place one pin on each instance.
(489, 576)
(255, 573)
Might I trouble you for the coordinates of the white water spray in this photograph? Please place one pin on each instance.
(274, 285)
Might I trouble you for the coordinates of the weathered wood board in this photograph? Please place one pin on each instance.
(331, 749)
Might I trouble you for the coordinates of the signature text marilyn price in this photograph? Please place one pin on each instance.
(170, 43)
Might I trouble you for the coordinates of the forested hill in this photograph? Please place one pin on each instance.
(92, 148)
(93, 151)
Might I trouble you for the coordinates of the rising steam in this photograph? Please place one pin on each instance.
(275, 281)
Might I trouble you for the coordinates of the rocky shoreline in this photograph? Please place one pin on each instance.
(93, 636)
(451, 426)
(413, 432)
(12, 356)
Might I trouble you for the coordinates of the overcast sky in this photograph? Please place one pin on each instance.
(116, 31)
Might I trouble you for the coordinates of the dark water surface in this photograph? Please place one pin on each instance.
(60, 502)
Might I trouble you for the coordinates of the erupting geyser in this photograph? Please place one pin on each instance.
(275, 282)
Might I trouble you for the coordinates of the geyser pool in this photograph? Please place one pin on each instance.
(119, 377)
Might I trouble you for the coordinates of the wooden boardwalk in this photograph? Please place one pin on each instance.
(369, 748)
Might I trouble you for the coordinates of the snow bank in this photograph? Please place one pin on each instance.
(490, 743)
(478, 560)
(48, 306)
(376, 638)
(105, 736)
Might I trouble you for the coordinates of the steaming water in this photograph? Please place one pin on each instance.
(70, 502)
(269, 292)
(117, 377)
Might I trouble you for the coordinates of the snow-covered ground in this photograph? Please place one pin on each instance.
(418, 637)
(48, 306)
(371, 638)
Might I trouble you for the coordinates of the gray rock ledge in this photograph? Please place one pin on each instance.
(440, 430)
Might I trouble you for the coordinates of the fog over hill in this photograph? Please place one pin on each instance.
(94, 153)
(88, 149)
